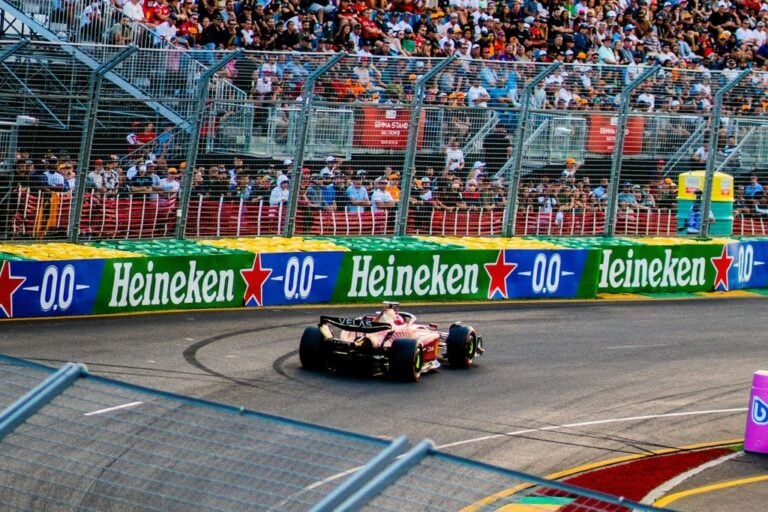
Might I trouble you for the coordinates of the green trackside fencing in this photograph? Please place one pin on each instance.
(77, 441)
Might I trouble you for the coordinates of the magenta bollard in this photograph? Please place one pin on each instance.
(756, 434)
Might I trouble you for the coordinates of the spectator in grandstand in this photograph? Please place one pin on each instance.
(335, 197)
(110, 176)
(451, 197)
(93, 178)
(121, 33)
(571, 167)
(699, 156)
(381, 199)
(666, 194)
(141, 183)
(169, 185)
(165, 141)
(242, 190)
(134, 10)
(626, 197)
(357, 194)
(331, 166)
(454, 156)
(693, 223)
(393, 178)
(730, 154)
(497, 148)
(280, 194)
(754, 188)
(54, 177)
(198, 183)
(471, 195)
(146, 135)
(315, 192)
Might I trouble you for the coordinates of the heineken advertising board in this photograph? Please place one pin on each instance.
(465, 275)
(217, 281)
(83, 287)
(747, 264)
(664, 269)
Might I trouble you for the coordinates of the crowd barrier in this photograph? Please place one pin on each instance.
(37, 214)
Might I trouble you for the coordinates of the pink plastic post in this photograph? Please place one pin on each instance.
(756, 434)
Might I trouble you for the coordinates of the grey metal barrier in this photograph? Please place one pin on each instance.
(71, 439)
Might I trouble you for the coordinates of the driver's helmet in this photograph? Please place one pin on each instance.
(390, 314)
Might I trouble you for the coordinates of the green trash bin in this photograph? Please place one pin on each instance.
(721, 206)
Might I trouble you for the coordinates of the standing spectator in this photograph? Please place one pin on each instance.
(280, 194)
(315, 192)
(454, 156)
(170, 185)
(497, 147)
(93, 178)
(754, 188)
(381, 199)
(357, 194)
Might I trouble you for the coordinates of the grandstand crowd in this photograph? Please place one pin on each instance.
(597, 37)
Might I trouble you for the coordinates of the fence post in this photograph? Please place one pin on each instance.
(201, 95)
(86, 139)
(510, 212)
(618, 149)
(10, 158)
(714, 129)
(307, 97)
(412, 142)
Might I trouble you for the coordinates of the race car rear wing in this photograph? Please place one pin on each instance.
(355, 324)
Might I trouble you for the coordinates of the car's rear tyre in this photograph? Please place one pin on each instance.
(405, 360)
(312, 354)
(461, 346)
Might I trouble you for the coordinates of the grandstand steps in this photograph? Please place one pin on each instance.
(37, 29)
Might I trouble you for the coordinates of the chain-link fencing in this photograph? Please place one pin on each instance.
(158, 141)
(72, 440)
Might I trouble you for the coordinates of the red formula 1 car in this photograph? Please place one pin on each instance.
(389, 342)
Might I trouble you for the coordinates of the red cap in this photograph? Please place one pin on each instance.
(98, 161)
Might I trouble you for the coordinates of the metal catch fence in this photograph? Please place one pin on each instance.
(436, 144)
(74, 440)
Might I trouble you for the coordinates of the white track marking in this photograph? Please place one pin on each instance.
(110, 409)
(667, 486)
(619, 347)
(590, 423)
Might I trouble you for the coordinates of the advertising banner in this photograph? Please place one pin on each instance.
(747, 264)
(601, 135)
(465, 275)
(48, 288)
(660, 269)
(385, 128)
(151, 284)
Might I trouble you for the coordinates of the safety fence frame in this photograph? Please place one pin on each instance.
(255, 452)
(540, 137)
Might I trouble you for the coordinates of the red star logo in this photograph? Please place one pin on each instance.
(722, 264)
(254, 278)
(498, 273)
(8, 286)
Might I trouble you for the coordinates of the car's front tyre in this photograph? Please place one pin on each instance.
(312, 353)
(461, 346)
